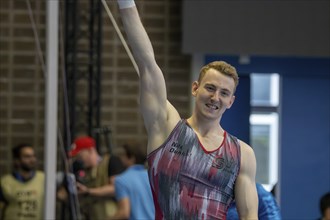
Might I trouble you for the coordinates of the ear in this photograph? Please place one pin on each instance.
(194, 88)
(231, 102)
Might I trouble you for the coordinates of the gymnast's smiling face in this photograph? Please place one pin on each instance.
(214, 94)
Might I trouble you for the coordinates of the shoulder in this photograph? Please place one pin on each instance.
(106, 156)
(6, 177)
(246, 150)
(40, 173)
(122, 179)
(233, 140)
(248, 159)
(124, 176)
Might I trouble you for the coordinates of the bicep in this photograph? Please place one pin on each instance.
(246, 197)
(159, 114)
(245, 188)
(158, 118)
(152, 83)
(153, 95)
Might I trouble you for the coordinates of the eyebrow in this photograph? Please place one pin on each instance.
(222, 89)
(226, 90)
(209, 84)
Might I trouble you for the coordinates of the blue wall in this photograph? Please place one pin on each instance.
(305, 162)
(304, 129)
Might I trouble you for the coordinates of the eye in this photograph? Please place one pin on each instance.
(210, 88)
(224, 93)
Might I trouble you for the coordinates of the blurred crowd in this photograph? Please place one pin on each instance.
(102, 186)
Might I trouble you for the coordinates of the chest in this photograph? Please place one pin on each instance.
(184, 158)
(187, 161)
(211, 142)
(17, 191)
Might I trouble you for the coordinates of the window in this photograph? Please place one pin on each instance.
(265, 90)
(264, 126)
(264, 130)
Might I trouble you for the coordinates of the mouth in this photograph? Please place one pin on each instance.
(213, 107)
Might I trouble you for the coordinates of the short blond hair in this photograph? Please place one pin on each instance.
(222, 67)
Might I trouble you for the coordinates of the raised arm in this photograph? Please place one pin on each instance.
(245, 188)
(159, 116)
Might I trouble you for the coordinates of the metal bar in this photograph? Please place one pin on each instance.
(98, 67)
(51, 109)
(91, 68)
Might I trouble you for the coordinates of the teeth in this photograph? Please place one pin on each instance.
(214, 107)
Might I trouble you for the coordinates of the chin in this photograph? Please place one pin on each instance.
(212, 117)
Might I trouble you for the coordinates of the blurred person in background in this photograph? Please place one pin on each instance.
(95, 178)
(132, 188)
(22, 191)
(267, 207)
(325, 206)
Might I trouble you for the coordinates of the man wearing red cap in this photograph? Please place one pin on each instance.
(96, 178)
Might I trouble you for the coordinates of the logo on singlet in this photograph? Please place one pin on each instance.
(218, 162)
(177, 148)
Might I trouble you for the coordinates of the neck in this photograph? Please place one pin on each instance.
(25, 174)
(130, 163)
(97, 159)
(204, 126)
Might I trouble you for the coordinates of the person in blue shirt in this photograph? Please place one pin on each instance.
(132, 188)
(267, 209)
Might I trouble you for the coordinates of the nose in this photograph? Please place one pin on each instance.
(33, 160)
(215, 96)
